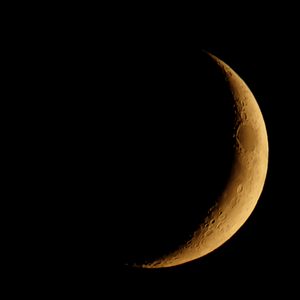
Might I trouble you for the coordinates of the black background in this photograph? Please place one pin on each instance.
(76, 252)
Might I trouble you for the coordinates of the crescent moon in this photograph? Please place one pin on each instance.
(244, 183)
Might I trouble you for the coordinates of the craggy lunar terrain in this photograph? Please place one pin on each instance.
(190, 161)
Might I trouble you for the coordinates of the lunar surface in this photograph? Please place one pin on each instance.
(194, 167)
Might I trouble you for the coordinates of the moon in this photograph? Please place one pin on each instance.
(211, 177)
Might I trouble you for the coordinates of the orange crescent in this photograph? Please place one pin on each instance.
(245, 184)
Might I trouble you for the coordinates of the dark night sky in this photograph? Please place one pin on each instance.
(74, 243)
(262, 248)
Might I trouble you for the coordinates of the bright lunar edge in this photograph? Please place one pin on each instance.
(190, 159)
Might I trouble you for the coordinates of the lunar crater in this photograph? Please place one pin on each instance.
(246, 137)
